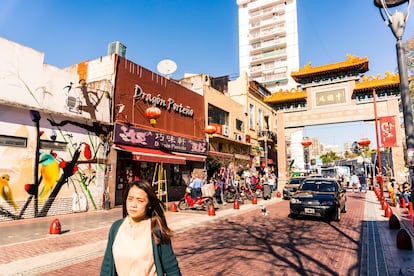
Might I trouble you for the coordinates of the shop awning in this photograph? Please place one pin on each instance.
(192, 157)
(220, 154)
(152, 155)
(241, 156)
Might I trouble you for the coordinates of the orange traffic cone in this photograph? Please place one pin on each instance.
(254, 200)
(236, 204)
(402, 203)
(173, 207)
(384, 204)
(388, 212)
(211, 210)
(54, 228)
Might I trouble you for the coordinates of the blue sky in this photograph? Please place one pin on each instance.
(201, 36)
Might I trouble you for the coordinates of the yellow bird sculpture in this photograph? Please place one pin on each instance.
(5, 190)
(50, 172)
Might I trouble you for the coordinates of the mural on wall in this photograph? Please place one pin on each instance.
(72, 172)
(75, 167)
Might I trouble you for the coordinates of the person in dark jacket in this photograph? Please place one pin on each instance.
(140, 242)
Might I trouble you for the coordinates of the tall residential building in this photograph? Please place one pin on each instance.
(268, 42)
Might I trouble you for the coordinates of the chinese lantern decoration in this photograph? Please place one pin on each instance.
(364, 142)
(210, 130)
(153, 113)
(306, 142)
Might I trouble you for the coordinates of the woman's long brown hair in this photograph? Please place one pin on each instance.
(155, 210)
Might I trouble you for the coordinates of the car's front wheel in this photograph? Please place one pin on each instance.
(293, 215)
(337, 214)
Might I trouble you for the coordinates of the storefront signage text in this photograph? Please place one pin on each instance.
(160, 102)
(137, 137)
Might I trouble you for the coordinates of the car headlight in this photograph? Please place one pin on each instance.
(294, 200)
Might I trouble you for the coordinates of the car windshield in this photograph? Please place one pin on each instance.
(295, 181)
(318, 186)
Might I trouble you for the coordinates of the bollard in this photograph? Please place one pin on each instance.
(211, 210)
(410, 209)
(236, 204)
(404, 240)
(173, 207)
(254, 200)
(278, 194)
(54, 228)
(394, 222)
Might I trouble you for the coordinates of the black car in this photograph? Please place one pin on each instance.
(321, 197)
(292, 185)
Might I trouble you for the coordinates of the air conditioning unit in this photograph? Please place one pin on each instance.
(74, 104)
(225, 130)
(239, 137)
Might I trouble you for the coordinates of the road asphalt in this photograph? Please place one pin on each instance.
(379, 256)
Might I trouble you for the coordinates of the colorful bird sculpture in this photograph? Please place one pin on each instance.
(5, 190)
(50, 172)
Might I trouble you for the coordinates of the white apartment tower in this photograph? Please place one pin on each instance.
(268, 42)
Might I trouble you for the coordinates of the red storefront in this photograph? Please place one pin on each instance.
(166, 151)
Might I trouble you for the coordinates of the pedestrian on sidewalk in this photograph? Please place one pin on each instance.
(362, 182)
(140, 242)
(355, 182)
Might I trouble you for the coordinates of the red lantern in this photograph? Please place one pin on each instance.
(153, 113)
(364, 142)
(306, 142)
(210, 130)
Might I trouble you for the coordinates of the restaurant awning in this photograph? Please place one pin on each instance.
(192, 157)
(152, 155)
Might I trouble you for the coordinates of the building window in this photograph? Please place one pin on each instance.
(13, 141)
(239, 125)
(53, 145)
(217, 115)
(251, 116)
(260, 119)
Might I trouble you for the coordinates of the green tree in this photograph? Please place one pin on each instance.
(329, 157)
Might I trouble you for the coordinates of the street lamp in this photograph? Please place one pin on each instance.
(266, 134)
(306, 142)
(396, 22)
(35, 116)
(364, 144)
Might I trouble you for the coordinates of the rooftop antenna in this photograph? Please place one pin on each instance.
(166, 67)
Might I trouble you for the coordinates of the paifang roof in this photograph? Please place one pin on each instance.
(286, 96)
(351, 66)
(368, 83)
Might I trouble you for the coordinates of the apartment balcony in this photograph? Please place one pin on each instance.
(272, 10)
(269, 22)
(266, 34)
(268, 45)
(269, 56)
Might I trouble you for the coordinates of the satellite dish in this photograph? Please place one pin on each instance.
(166, 67)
